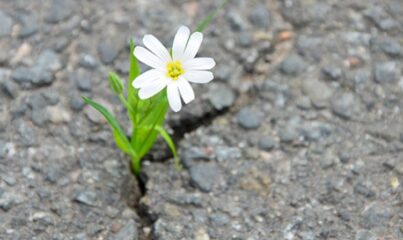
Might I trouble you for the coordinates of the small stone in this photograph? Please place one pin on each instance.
(22, 75)
(41, 77)
(344, 157)
(87, 61)
(201, 234)
(267, 143)
(29, 25)
(204, 176)
(376, 216)
(83, 80)
(48, 60)
(343, 106)
(6, 24)
(391, 47)
(59, 44)
(293, 65)
(27, 136)
(190, 155)
(363, 190)
(51, 96)
(10, 88)
(10, 199)
(318, 92)
(219, 219)
(386, 72)
(245, 39)
(249, 119)
(58, 115)
(365, 235)
(235, 21)
(76, 103)
(304, 103)
(333, 72)
(37, 101)
(223, 73)
(128, 232)
(86, 197)
(221, 96)
(107, 52)
(39, 117)
(288, 135)
(260, 16)
(59, 10)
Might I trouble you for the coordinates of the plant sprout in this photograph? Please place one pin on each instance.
(150, 94)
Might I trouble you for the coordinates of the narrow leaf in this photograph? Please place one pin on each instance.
(206, 22)
(164, 134)
(115, 83)
(120, 137)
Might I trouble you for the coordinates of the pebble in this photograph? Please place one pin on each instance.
(343, 106)
(204, 176)
(58, 114)
(267, 143)
(221, 96)
(363, 190)
(107, 52)
(318, 92)
(29, 25)
(83, 80)
(127, 232)
(293, 65)
(219, 219)
(193, 154)
(391, 47)
(223, 73)
(260, 16)
(376, 216)
(10, 199)
(22, 75)
(87, 61)
(235, 21)
(249, 118)
(39, 117)
(344, 156)
(86, 197)
(59, 10)
(10, 88)
(27, 136)
(76, 102)
(6, 24)
(365, 235)
(288, 134)
(245, 39)
(386, 72)
(48, 60)
(333, 72)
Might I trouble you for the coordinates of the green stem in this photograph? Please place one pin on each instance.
(136, 165)
(206, 22)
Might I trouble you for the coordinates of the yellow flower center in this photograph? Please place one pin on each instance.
(174, 70)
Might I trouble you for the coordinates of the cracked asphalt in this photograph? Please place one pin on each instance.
(299, 137)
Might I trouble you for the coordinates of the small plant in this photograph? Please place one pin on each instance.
(149, 95)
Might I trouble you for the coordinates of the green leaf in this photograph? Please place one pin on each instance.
(164, 134)
(206, 22)
(115, 83)
(120, 137)
(134, 71)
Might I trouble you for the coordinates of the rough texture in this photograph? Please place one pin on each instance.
(298, 137)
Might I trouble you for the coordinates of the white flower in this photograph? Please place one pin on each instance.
(173, 71)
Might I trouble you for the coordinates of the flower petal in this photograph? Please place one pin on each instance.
(199, 64)
(147, 78)
(186, 90)
(180, 41)
(173, 97)
(152, 89)
(193, 45)
(156, 47)
(146, 57)
(198, 76)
